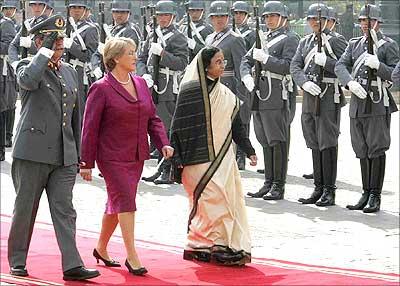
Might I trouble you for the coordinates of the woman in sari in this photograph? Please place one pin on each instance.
(205, 122)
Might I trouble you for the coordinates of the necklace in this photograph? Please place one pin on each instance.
(122, 82)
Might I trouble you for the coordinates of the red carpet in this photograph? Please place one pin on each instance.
(166, 266)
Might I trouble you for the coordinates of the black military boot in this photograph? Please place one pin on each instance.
(365, 171)
(165, 177)
(2, 154)
(329, 170)
(10, 117)
(240, 159)
(260, 171)
(317, 174)
(268, 174)
(376, 184)
(152, 177)
(280, 156)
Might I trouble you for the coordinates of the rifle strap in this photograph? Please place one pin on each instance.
(197, 31)
(77, 32)
(214, 39)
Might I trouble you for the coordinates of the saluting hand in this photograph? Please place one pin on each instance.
(253, 159)
(86, 174)
(167, 151)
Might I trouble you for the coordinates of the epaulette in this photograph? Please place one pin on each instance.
(387, 39)
(91, 24)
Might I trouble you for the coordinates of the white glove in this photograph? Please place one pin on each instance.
(98, 73)
(371, 61)
(260, 55)
(320, 59)
(311, 88)
(68, 43)
(156, 49)
(25, 42)
(148, 79)
(191, 43)
(107, 29)
(248, 82)
(100, 48)
(357, 89)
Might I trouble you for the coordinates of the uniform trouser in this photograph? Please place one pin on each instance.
(30, 179)
(321, 132)
(10, 117)
(245, 116)
(3, 127)
(370, 136)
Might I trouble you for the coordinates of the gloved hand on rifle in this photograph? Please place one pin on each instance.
(156, 49)
(49, 40)
(320, 59)
(248, 82)
(98, 73)
(68, 42)
(260, 55)
(371, 61)
(148, 79)
(311, 88)
(191, 43)
(25, 42)
(357, 89)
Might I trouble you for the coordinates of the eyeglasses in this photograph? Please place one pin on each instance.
(222, 62)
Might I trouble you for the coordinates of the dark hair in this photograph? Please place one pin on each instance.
(207, 54)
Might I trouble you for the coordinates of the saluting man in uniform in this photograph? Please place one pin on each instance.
(46, 150)
(121, 11)
(38, 8)
(80, 45)
(200, 29)
(320, 131)
(370, 129)
(172, 48)
(271, 103)
(8, 93)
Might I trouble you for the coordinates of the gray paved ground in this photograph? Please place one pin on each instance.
(284, 230)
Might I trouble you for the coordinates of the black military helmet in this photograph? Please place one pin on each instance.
(10, 4)
(374, 13)
(45, 2)
(78, 3)
(45, 25)
(120, 6)
(333, 15)
(241, 6)
(219, 8)
(275, 7)
(196, 5)
(166, 7)
(312, 11)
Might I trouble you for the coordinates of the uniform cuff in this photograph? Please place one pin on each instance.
(46, 52)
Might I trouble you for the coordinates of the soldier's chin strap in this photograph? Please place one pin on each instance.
(333, 26)
(244, 20)
(227, 22)
(279, 23)
(51, 11)
(127, 17)
(324, 27)
(83, 15)
(44, 9)
(170, 21)
(12, 16)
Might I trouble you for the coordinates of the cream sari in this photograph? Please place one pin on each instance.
(220, 220)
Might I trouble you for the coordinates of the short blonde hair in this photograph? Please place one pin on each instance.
(114, 48)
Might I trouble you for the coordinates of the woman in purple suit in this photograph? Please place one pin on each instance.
(119, 116)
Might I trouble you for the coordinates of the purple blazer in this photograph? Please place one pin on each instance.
(116, 126)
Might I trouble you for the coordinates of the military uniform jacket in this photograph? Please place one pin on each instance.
(7, 34)
(127, 30)
(14, 50)
(281, 46)
(346, 70)
(203, 30)
(172, 63)
(304, 69)
(248, 34)
(49, 128)
(234, 48)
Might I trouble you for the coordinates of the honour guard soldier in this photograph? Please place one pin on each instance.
(46, 150)
(200, 29)
(80, 45)
(38, 8)
(233, 47)
(271, 103)
(312, 69)
(241, 12)
(121, 11)
(8, 93)
(366, 71)
(171, 49)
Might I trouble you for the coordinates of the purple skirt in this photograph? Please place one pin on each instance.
(122, 180)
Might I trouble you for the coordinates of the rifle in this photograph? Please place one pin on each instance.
(233, 19)
(156, 58)
(68, 30)
(320, 72)
(144, 21)
(257, 66)
(189, 30)
(102, 18)
(370, 50)
(24, 31)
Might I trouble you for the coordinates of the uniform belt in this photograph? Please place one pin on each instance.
(273, 75)
(175, 80)
(228, 73)
(382, 89)
(76, 62)
(364, 81)
(5, 66)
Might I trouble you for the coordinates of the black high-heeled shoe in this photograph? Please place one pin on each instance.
(135, 271)
(109, 263)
